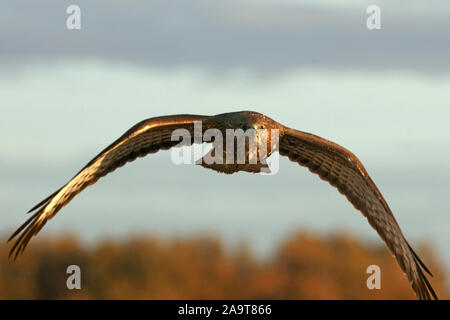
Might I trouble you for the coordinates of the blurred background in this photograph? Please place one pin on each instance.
(156, 230)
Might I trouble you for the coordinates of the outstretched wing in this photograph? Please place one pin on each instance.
(344, 171)
(146, 137)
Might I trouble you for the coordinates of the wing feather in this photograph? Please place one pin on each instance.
(343, 170)
(148, 136)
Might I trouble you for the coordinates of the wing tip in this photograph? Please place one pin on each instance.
(28, 229)
(44, 202)
(423, 288)
(419, 261)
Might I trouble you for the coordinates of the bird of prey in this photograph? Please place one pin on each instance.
(331, 162)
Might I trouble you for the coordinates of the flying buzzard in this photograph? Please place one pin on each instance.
(330, 161)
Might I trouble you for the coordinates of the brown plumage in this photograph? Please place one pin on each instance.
(330, 161)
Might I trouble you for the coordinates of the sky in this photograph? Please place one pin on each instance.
(310, 65)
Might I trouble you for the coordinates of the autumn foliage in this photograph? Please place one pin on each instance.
(305, 266)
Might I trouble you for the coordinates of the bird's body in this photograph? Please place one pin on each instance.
(331, 162)
(246, 121)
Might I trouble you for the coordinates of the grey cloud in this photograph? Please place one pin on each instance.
(220, 36)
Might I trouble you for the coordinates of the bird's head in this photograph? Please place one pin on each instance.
(245, 120)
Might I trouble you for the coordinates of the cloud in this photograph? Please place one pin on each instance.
(267, 37)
